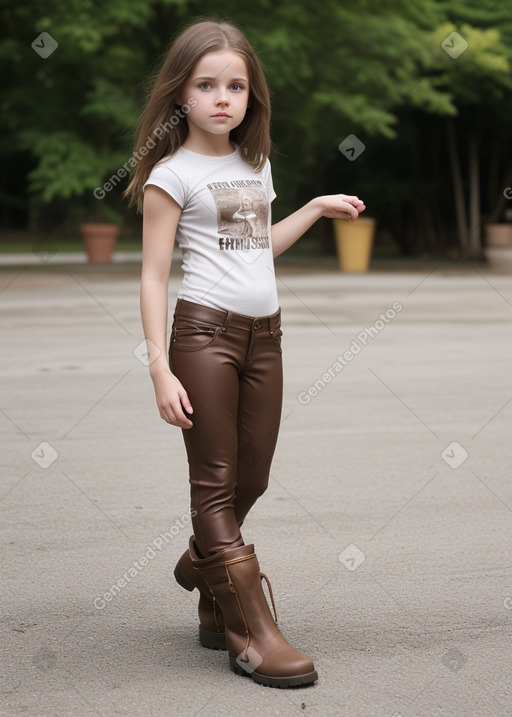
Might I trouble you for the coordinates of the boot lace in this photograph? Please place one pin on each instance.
(269, 586)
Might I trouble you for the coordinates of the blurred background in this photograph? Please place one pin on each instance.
(424, 87)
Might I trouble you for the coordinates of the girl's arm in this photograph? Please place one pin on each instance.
(161, 216)
(333, 206)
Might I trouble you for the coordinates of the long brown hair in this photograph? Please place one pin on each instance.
(162, 127)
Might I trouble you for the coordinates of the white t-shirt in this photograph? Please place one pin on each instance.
(224, 230)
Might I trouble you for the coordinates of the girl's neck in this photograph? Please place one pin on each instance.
(211, 147)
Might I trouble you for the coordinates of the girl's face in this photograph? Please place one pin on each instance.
(219, 84)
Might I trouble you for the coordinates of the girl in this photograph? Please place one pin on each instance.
(203, 144)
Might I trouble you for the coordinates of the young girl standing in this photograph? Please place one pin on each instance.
(204, 180)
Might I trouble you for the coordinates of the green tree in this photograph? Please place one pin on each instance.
(480, 84)
(435, 126)
(70, 112)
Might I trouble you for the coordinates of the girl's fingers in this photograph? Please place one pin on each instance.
(179, 417)
(172, 413)
(185, 405)
(185, 402)
(175, 420)
(177, 403)
(351, 213)
(342, 206)
(356, 203)
(353, 200)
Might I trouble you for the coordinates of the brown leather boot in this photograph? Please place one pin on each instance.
(256, 646)
(211, 622)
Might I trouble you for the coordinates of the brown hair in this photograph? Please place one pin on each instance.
(153, 143)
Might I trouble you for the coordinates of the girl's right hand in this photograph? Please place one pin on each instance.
(171, 399)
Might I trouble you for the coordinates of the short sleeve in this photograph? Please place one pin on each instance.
(267, 180)
(164, 177)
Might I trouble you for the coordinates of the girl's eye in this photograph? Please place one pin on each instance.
(207, 86)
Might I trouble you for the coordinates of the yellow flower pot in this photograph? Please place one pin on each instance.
(354, 241)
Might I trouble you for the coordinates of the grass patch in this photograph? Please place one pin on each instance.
(26, 245)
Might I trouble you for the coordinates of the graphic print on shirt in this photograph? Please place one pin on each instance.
(242, 214)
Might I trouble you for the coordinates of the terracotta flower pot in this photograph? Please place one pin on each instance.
(99, 241)
(498, 235)
(354, 241)
(498, 246)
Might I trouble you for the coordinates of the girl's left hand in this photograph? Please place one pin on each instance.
(341, 206)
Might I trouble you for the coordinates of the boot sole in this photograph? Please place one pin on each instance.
(211, 640)
(282, 682)
(182, 579)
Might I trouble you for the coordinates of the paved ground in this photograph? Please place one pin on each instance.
(386, 530)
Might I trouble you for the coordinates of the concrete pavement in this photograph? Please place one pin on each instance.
(385, 532)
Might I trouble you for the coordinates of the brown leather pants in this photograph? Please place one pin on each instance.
(231, 367)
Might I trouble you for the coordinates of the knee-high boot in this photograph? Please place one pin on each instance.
(211, 622)
(256, 646)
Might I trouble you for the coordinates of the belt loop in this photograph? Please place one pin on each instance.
(227, 321)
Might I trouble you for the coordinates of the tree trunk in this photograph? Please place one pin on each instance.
(492, 169)
(458, 190)
(475, 243)
(440, 222)
(34, 217)
(422, 235)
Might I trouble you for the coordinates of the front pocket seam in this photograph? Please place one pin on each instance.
(177, 347)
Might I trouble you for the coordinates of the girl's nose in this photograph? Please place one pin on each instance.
(222, 97)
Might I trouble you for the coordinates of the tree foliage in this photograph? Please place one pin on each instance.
(434, 126)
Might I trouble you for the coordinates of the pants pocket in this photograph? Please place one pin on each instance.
(193, 336)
